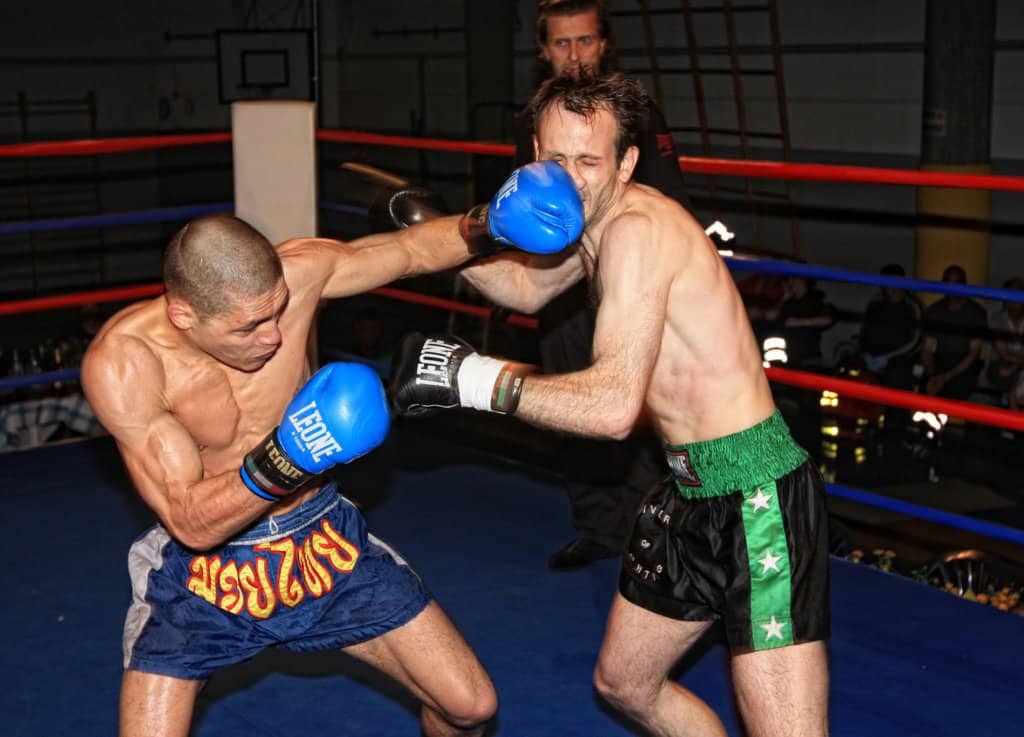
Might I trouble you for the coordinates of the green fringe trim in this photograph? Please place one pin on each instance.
(743, 460)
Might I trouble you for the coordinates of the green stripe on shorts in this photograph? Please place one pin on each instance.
(771, 622)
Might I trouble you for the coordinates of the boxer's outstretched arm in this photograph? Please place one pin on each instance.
(525, 282)
(123, 382)
(605, 399)
(537, 210)
(346, 269)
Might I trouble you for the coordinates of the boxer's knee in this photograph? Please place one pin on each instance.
(470, 704)
(623, 690)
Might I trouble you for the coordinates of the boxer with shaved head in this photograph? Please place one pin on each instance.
(225, 431)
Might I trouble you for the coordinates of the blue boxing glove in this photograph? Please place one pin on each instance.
(537, 209)
(340, 414)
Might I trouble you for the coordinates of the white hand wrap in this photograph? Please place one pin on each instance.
(477, 377)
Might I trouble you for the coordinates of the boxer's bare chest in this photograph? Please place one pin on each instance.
(227, 412)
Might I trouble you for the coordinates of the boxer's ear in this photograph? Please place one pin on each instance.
(628, 163)
(180, 313)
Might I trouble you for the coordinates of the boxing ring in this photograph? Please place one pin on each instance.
(906, 658)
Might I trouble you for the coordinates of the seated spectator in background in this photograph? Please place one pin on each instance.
(762, 294)
(891, 333)
(802, 317)
(953, 331)
(1004, 368)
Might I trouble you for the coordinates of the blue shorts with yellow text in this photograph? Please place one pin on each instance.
(310, 579)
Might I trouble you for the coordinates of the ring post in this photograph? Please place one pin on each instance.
(275, 166)
(956, 135)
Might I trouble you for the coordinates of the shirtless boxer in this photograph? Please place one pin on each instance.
(253, 549)
(738, 532)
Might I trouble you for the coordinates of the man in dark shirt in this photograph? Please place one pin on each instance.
(890, 335)
(803, 316)
(606, 480)
(954, 328)
(1006, 366)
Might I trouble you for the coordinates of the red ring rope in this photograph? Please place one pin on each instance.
(79, 298)
(979, 413)
(817, 382)
(91, 146)
(857, 174)
(447, 304)
(430, 144)
(690, 164)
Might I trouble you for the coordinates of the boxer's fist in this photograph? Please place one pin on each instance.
(340, 414)
(537, 209)
(400, 207)
(441, 372)
(392, 202)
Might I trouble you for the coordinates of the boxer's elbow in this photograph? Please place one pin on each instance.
(192, 536)
(523, 303)
(191, 529)
(617, 403)
(619, 418)
(617, 427)
(533, 299)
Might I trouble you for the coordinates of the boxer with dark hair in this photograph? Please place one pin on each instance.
(605, 480)
(207, 391)
(738, 532)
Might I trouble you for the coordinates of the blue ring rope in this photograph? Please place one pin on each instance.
(347, 209)
(949, 519)
(764, 266)
(159, 215)
(49, 377)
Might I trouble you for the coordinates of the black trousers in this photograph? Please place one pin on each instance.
(606, 480)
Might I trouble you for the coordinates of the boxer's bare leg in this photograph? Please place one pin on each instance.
(156, 706)
(429, 657)
(640, 648)
(783, 691)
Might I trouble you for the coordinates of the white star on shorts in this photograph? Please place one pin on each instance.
(773, 629)
(770, 561)
(760, 501)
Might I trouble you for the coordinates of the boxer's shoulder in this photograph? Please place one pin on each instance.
(129, 337)
(631, 231)
(307, 263)
(302, 258)
(663, 238)
(121, 371)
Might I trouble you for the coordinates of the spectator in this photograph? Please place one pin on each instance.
(762, 294)
(951, 352)
(891, 333)
(1004, 368)
(606, 480)
(802, 317)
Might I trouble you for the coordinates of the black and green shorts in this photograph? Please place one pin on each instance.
(739, 533)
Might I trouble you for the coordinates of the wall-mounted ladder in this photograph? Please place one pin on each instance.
(738, 43)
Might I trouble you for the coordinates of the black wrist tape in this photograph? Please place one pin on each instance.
(473, 229)
(269, 468)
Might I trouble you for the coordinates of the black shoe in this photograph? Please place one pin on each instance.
(578, 553)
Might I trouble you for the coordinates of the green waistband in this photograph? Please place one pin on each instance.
(743, 460)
